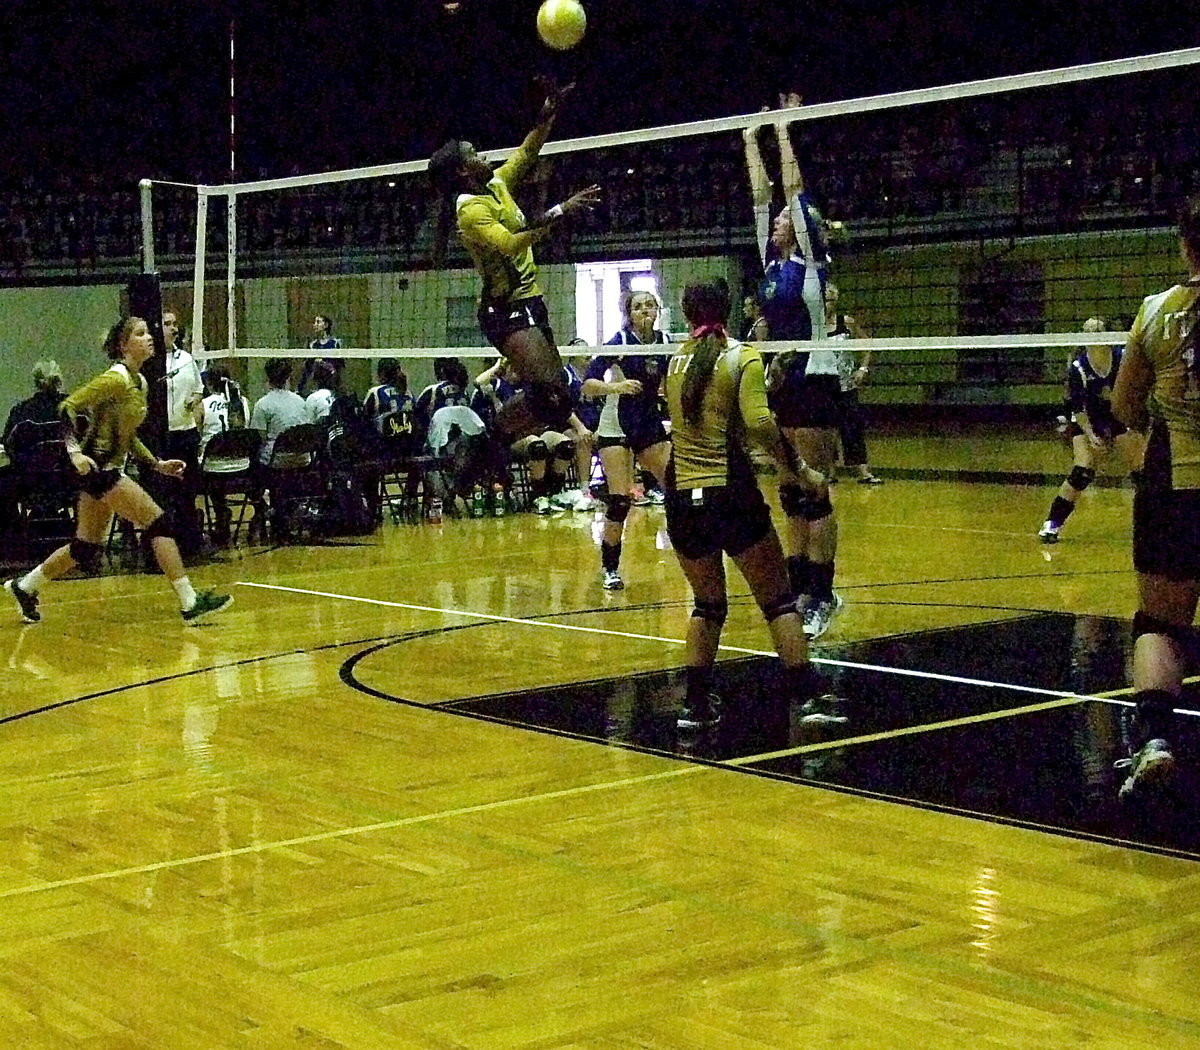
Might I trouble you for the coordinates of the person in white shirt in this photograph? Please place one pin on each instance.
(185, 411)
(320, 401)
(224, 409)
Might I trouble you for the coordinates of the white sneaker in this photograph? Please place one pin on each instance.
(586, 502)
(613, 581)
(566, 499)
(656, 497)
(542, 505)
(1150, 767)
(818, 616)
(1049, 533)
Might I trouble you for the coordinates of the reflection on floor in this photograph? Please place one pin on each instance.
(1051, 766)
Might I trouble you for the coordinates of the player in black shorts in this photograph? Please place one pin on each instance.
(494, 230)
(1158, 391)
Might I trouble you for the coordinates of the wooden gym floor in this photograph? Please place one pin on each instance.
(425, 790)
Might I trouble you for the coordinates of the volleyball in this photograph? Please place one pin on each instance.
(561, 23)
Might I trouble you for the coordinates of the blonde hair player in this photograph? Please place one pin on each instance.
(102, 419)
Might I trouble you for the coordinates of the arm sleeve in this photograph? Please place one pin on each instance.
(513, 170)
(752, 406)
(258, 418)
(141, 452)
(105, 387)
(477, 225)
(1076, 391)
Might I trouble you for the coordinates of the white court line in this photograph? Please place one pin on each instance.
(1058, 694)
(338, 833)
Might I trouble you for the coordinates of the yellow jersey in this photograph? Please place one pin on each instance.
(712, 451)
(487, 222)
(1158, 335)
(105, 414)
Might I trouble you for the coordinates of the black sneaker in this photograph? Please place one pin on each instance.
(28, 602)
(1150, 767)
(207, 603)
(703, 716)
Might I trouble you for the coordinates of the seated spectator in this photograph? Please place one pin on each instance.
(448, 388)
(225, 408)
(320, 401)
(391, 408)
(42, 407)
(278, 409)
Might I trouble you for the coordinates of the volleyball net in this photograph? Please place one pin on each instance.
(973, 229)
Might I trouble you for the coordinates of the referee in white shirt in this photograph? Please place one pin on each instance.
(185, 414)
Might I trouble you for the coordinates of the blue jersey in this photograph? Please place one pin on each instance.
(1091, 393)
(634, 411)
(781, 295)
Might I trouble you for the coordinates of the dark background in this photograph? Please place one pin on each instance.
(133, 89)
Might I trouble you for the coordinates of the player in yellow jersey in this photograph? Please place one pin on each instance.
(1158, 391)
(495, 231)
(102, 418)
(717, 398)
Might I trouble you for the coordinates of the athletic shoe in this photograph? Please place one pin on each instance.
(28, 602)
(207, 603)
(586, 502)
(870, 479)
(566, 499)
(643, 500)
(1150, 767)
(1049, 533)
(613, 581)
(656, 497)
(542, 505)
(823, 711)
(703, 716)
(818, 616)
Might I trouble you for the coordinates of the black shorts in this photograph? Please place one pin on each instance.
(97, 483)
(637, 440)
(808, 402)
(707, 521)
(1166, 520)
(500, 320)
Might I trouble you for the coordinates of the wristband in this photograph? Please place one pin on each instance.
(556, 212)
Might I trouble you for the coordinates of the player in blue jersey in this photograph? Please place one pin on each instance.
(1093, 429)
(803, 385)
(630, 426)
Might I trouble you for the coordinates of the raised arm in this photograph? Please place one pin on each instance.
(793, 180)
(760, 190)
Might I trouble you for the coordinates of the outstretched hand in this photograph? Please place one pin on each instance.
(554, 97)
(584, 200)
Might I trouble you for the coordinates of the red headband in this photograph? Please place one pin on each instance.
(700, 331)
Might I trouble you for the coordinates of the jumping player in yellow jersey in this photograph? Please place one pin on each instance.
(717, 398)
(102, 418)
(500, 239)
(1158, 390)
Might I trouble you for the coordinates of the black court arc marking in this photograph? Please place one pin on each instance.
(540, 709)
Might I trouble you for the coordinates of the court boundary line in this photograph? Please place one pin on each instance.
(1056, 694)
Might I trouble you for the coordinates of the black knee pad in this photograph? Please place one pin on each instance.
(565, 449)
(1080, 478)
(793, 498)
(779, 607)
(160, 526)
(537, 451)
(711, 612)
(550, 403)
(618, 509)
(1185, 637)
(87, 556)
(817, 507)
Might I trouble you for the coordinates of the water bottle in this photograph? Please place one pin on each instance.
(435, 511)
(498, 500)
(477, 501)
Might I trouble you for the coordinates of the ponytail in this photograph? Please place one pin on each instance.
(706, 306)
(1189, 233)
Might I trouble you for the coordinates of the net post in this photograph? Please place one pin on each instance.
(145, 189)
(231, 270)
(198, 270)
